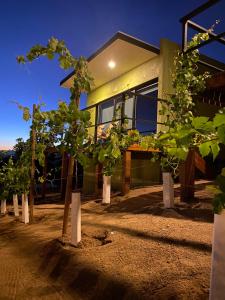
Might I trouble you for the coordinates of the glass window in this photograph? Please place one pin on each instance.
(128, 111)
(146, 109)
(106, 111)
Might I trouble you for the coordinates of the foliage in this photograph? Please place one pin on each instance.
(14, 179)
(20, 147)
(65, 127)
(110, 146)
(82, 79)
(180, 134)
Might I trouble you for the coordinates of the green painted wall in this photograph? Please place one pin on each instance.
(143, 73)
(168, 51)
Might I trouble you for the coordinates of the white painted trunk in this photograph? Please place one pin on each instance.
(15, 206)
(75, 219)
(217, 282)
(106, 189)
(3, 207)
(25, 209)
(168, 190)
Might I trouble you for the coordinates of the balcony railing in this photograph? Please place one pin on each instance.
(138, 110)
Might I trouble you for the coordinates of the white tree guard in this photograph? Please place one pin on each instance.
(15, 206)
(217, 282)
(106, 189)
(168, 190)
(3, 207)
(25, 209)
(75, 219)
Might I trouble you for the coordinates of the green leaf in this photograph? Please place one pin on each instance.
(221, 133)
(199, 122)
(219, 120)
(101, 155)
(205, 149)
(116, 153)
(215, 150)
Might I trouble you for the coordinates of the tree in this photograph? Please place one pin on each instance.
(109, 148)
(81, 84)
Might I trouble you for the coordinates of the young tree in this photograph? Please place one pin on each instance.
(109, 149)
(81, 84)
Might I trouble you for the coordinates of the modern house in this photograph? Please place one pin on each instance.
(133, 75)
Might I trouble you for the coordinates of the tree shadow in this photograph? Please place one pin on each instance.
(198, 209)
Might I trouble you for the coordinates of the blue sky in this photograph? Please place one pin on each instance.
(84, 26)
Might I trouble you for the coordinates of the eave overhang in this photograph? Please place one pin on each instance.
(126, 51)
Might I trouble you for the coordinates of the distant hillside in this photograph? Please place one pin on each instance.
(7, 153)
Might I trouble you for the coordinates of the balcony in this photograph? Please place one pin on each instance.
(138, 107)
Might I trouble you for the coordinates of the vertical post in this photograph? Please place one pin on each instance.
(15, 206)
(75, 219)
(96, 124)
(168, 190)
(25, 209)
(64, 171)
(43, 192)
(3, 206)
(32, 172)
(217, 282)
(184, 35)
(126, 180)
(187, 177)
(106, 189)
(69, 184)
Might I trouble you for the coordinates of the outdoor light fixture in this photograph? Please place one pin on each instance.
(111, 64)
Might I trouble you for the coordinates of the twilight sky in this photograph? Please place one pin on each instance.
(84, 25)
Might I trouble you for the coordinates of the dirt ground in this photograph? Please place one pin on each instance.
(131, 249)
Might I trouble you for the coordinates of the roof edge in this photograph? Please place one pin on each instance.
(118, 36)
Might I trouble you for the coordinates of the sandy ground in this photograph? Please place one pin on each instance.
(132, 249)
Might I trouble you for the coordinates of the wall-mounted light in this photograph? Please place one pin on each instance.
(111, 64)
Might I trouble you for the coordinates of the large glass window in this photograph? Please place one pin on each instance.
(106, 111)
(140, 110)
(146, 109)
(129, 111)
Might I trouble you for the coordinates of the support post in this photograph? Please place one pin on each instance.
(126, 179)
(106, 189)
(187, 177)
(168, 190)
(25, 209)
(15, 206)
(69, 184)
(217, 282)
(75, 219)
(3, 207)
(64, 171)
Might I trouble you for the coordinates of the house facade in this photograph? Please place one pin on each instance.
(132, 75)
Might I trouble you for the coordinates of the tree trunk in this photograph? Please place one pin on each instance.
(68, 195)
(15, 206)
(3, 207)
(32, 171)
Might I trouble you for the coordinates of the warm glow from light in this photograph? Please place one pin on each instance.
(111, 64)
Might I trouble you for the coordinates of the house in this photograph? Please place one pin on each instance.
(133, 75)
